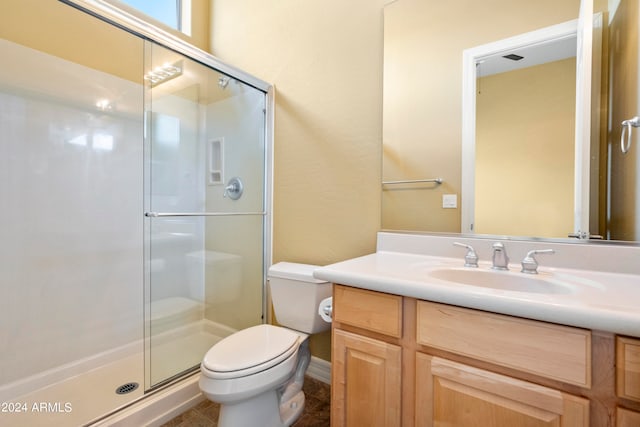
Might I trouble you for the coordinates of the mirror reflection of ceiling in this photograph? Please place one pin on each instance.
(528, 56)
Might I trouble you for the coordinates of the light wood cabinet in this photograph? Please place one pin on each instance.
(552, 351)
(628, 368)
(398, 361)
(372, 311)
(366, 359)
(454, 394)
(366, 382)
(626, 418)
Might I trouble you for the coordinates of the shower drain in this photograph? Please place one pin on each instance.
(126, 388)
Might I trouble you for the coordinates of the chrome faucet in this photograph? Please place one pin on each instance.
(529, 263)
(471, 258)
(500, 258)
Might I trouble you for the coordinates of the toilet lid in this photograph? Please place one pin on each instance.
(258, 346)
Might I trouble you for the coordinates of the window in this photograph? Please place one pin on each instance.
(174, 13)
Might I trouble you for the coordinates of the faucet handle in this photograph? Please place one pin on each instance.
(529, 263)
(471, 258)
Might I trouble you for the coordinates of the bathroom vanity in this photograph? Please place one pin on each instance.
(412, 349)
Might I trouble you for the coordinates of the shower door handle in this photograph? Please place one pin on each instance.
(172, 214)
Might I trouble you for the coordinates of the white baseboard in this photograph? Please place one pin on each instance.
(319, 369)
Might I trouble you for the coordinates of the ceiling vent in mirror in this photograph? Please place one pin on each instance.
(513, 57)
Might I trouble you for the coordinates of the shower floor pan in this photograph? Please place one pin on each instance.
(87, 397)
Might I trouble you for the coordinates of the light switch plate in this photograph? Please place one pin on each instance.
(449, 201)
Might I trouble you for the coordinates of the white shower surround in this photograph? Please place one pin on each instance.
(73, 223)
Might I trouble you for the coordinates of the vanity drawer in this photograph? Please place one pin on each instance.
(628, 368)
(374, 311)
(557, 352)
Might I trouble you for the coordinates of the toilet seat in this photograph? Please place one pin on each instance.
(249, 351)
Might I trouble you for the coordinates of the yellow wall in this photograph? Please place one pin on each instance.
(200, 21)
(60, 30)
(424, 41)
(525, 121)
(325, 60)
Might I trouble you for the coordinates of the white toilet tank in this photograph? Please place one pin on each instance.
(296, 295)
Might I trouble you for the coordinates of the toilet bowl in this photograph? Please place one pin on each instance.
(257, 374)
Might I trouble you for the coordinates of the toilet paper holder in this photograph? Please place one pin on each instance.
(325, 309)
(328, 310)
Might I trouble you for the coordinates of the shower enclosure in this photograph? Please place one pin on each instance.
(135, 229)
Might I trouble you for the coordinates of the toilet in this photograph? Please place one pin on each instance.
(256, 374)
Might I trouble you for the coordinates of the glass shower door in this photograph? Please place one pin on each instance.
(204, 204)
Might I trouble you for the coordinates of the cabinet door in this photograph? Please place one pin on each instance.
(365, 383)
(626, 418)
(457, 395)
(628, 368)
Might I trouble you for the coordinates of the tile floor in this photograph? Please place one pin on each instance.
(315, 414)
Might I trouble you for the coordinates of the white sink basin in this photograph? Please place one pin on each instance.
(503, 280)
(598, 288)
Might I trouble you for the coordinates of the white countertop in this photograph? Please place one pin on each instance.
(598, 300)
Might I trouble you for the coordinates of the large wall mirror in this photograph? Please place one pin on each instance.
(544, 158)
